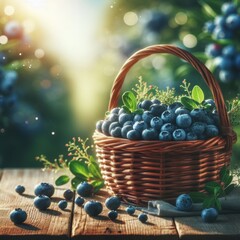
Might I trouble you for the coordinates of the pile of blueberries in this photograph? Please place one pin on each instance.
(45, 191)
(226, 58)
(162, 122)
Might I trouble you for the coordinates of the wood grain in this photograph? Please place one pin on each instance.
(50, 224)
(226, 227)
(125, 227)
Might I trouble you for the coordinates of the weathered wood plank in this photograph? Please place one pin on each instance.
(225, 228)
(125, 227)
(50, 224)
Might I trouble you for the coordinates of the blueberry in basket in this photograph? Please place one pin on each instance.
(170, 118)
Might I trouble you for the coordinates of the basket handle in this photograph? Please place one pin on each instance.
(213, 85)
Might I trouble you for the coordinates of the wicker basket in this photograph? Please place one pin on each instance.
(139, 171)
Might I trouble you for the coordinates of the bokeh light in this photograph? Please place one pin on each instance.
(190, 41)
(9, 10)
(130, 18)
(3, 39)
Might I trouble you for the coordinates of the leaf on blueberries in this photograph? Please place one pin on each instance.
(129, 100)
(79, 168)
(189, 103)
(197, 197)
(62, 180)
(197, 94)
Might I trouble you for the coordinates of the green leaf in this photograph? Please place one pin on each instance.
(129, 100)
(212, 187)
(197, 197)
(208, 10)
(229, 188)
(138, 111)
(218, 204)
(209, 202)
(197, 94)
(126, 109)
(189, 103)
(225, 176)
(98, 184)
(94, 170)
(62, 180)
(75, 181)
(79, 168)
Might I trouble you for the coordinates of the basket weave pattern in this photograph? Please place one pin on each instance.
(139, 171)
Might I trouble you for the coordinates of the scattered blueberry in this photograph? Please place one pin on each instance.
(42, 202)
(79, 201)
(142, 217)
(18, 216)
(46, 189)
(184, 202)
(209, 215)
(85, 189)
(130, 210)
(62, 204)
(113, 214)
(93, 208)
(113, 203)
(20, 189)
(68, 194)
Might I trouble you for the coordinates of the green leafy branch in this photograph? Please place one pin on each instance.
(233, 108)
(215, 190)
(82, 165)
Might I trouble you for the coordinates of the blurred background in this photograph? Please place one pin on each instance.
(58, 60)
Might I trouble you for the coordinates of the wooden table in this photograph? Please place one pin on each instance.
(73, 223)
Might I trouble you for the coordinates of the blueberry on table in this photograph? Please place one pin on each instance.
(68, 194)
(44, 189)
(112, 214)
(130, 210)
(113, 203)
(142, 217)
(93, 208)
(42, 202)
(85, 189)
(184, 202)
(79, 201)
(18, 216)
(62, 204)
(209, 215)
(20, 189)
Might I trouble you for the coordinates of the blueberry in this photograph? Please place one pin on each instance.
(113, 117)
(198, 128)
(142, 217)
(68, 194)
(18, 216)
(220, 21)
(168, 116)
(116, 132)
(93, 208)
(213, 50)
(105, 127)
(233, 21)
(229, 51)
(168, 127)
(209, 215)
(156, 101)
(79, 201)
(181, 110)
(184, 120)
(147, 116)
(115, 110)
(113, 125)
(210, 103)
(42, 202)
(130, 210)
(62, 204)
(191, 136)
(184, 202)
(20, 189)
(44, 189)
(211, 131)
(149, 134)
(121, 111)
(165, 136)
(113, 203)
(216, 118)
(139, 126)
(99, 125)
(133, 135)
(124, 117)
(179, 135)
(228, 8)
(112, 214)
(125, 130)
(157, 109)
(156, 21)
(226, 76)
(85, 189)
(145, 104)
(198, 114)
(156, 123)
(222, 33)
(237, 61)
(209, 26)
(128, 123)
(225, 63)
(137, 118)
(172, 107)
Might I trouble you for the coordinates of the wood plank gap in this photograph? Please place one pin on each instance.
(71, 216)
(175, 225)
